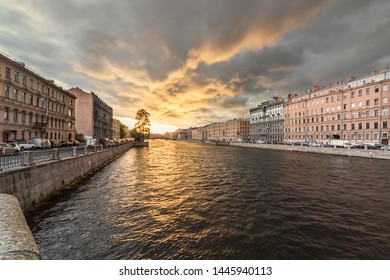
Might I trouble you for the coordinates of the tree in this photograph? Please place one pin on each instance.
(122, 132)
(141, 130)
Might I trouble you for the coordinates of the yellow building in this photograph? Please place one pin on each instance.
(232, 130)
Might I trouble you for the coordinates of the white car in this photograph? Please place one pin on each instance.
(22, 145)
(8, 149)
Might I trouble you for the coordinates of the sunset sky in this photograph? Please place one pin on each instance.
(193, 62)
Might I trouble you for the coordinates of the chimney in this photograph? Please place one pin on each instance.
(314, 88)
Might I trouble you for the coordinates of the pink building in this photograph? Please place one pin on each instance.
(356, 110)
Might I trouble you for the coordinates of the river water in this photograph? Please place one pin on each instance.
(177, 200)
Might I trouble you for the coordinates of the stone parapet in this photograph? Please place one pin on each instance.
(16, 239)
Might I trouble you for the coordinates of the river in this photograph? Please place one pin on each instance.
(178, 200)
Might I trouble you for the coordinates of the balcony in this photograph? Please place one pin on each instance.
(39, 125)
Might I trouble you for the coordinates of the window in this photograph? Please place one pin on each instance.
(345, 96)
(360, 114)
(360, 92)
(367, 113)
(23, 116)
(368, 102)
(24, 80)
(6, 91)
(367, 136)
(16, 95)
(360, 126)
(384, 135)
(352, 126)
(368, 91)
(31, 83)
(385, 87)
(376, 113)
(6, 113)
(345, 126)
(17, 76)
(384, 124)
(376, 101)
(15, 115)
(359, 136)
(385, 100)
(30, 118)
(376, 136)
(376, 125)
(327, 99)
(338, 127)
(31, 99)
(353, 105)
(24, 97)
(376, 89)
(352, 115)
(367, 125)
(8, 73)
(353, 94)
(37, 103)
(338, 97)
(385, 112)
(352, 136)
(360, 104)
(345, 106)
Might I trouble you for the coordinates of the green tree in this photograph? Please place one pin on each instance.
(122, 132)
(141, 130)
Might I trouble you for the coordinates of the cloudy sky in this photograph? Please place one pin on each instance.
(192, 62)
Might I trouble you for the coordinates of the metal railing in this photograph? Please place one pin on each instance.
(10, 161)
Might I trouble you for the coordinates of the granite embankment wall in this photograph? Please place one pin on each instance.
(16, 239)
(379, 154)
(35, 183)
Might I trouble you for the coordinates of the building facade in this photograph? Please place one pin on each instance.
(33, 106)
(267, 121)
(231, 130)
(196, 133)
(356, 110)
(116, 128)
(94, 118)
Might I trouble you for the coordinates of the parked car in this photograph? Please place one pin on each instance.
(104, 141)
(75, 143)
(65, 143)
(22, 145)
(55, 144)
(6, 148)
(41, 143)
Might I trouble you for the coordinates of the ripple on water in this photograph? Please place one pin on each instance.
(178, 200)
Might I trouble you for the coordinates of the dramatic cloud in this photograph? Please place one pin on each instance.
(197, 61)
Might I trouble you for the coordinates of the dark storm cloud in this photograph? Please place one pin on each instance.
(215, 59)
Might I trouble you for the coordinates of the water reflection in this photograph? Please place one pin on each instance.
(178, 200)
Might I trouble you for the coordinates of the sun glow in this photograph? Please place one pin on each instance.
(156, 127)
